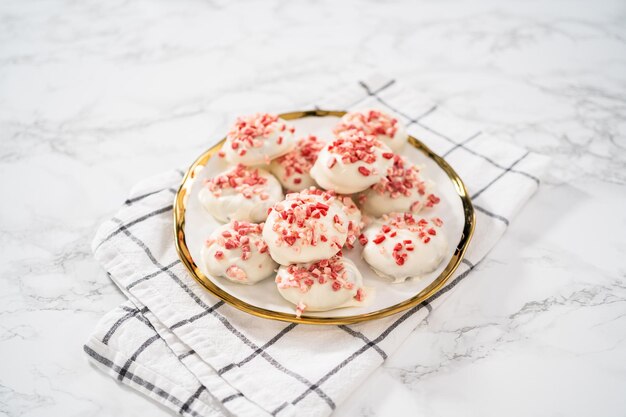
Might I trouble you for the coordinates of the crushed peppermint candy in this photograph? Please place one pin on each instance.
(239, 235)
(349, 207)
(422, 228)
(370, 122)
(299, 161)
(298, 218)
(236, 273)
(251, 131)
(403, 180)
(245, 181)
(327, 271)
(300, 309)
(431, 200)
(354, 146)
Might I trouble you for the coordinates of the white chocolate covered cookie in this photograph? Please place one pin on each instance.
(257, 139)
(351, 163)
(241, 193)
(305, 228)
(402, 246)
(401, 190)
(383, 126)
(321, 286)
(237, 251)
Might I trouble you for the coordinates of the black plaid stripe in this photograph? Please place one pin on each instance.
(460, 144)
(135, 355)
(192, 398)
(416, 120)
(117, 324)
(140, 315)
(144, 320)
(124, 228)
(152, 275)
(133, 200)
(184, 355)
(493, 181)
(197, 316)
(371, 93)
(125, 308)
(376, 96)
(279, 409)
(134, 222)
(493, 215)
(473, 152)
(148, 386)
(132, 312)
(358, 353)
(383, 335)
(231, 397)
(186, 406)
(283, 332)
(455, 281)
(367, 341)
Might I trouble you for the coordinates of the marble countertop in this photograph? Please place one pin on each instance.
(95, 96)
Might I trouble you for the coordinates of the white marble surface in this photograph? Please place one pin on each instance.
(95, 96)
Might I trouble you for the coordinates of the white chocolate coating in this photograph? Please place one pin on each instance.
(295, 237)
(241, 202)
(288, 182)
(428, 249)
(257, 139)
(333, 171)
(298, 286)
(224, 256)
(375, 204)
(355, 219)
(397, 141)
(385, 127)
(402, 190)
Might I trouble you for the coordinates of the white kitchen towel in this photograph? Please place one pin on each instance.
(183, 347)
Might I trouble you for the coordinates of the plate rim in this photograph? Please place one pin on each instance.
(433, 288)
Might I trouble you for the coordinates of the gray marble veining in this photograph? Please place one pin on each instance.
(94, 96)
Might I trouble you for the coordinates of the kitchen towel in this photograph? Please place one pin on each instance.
(181, 346)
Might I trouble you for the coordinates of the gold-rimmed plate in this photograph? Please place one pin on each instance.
(193, 225)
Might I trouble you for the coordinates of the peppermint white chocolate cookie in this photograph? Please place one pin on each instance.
(401, 190)
(321, 286)
(293, 168)
(351, 163)
(257, 139)
(305, 228)
(236, 251)
(402, 246)
(241, 193)
(384, 127)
